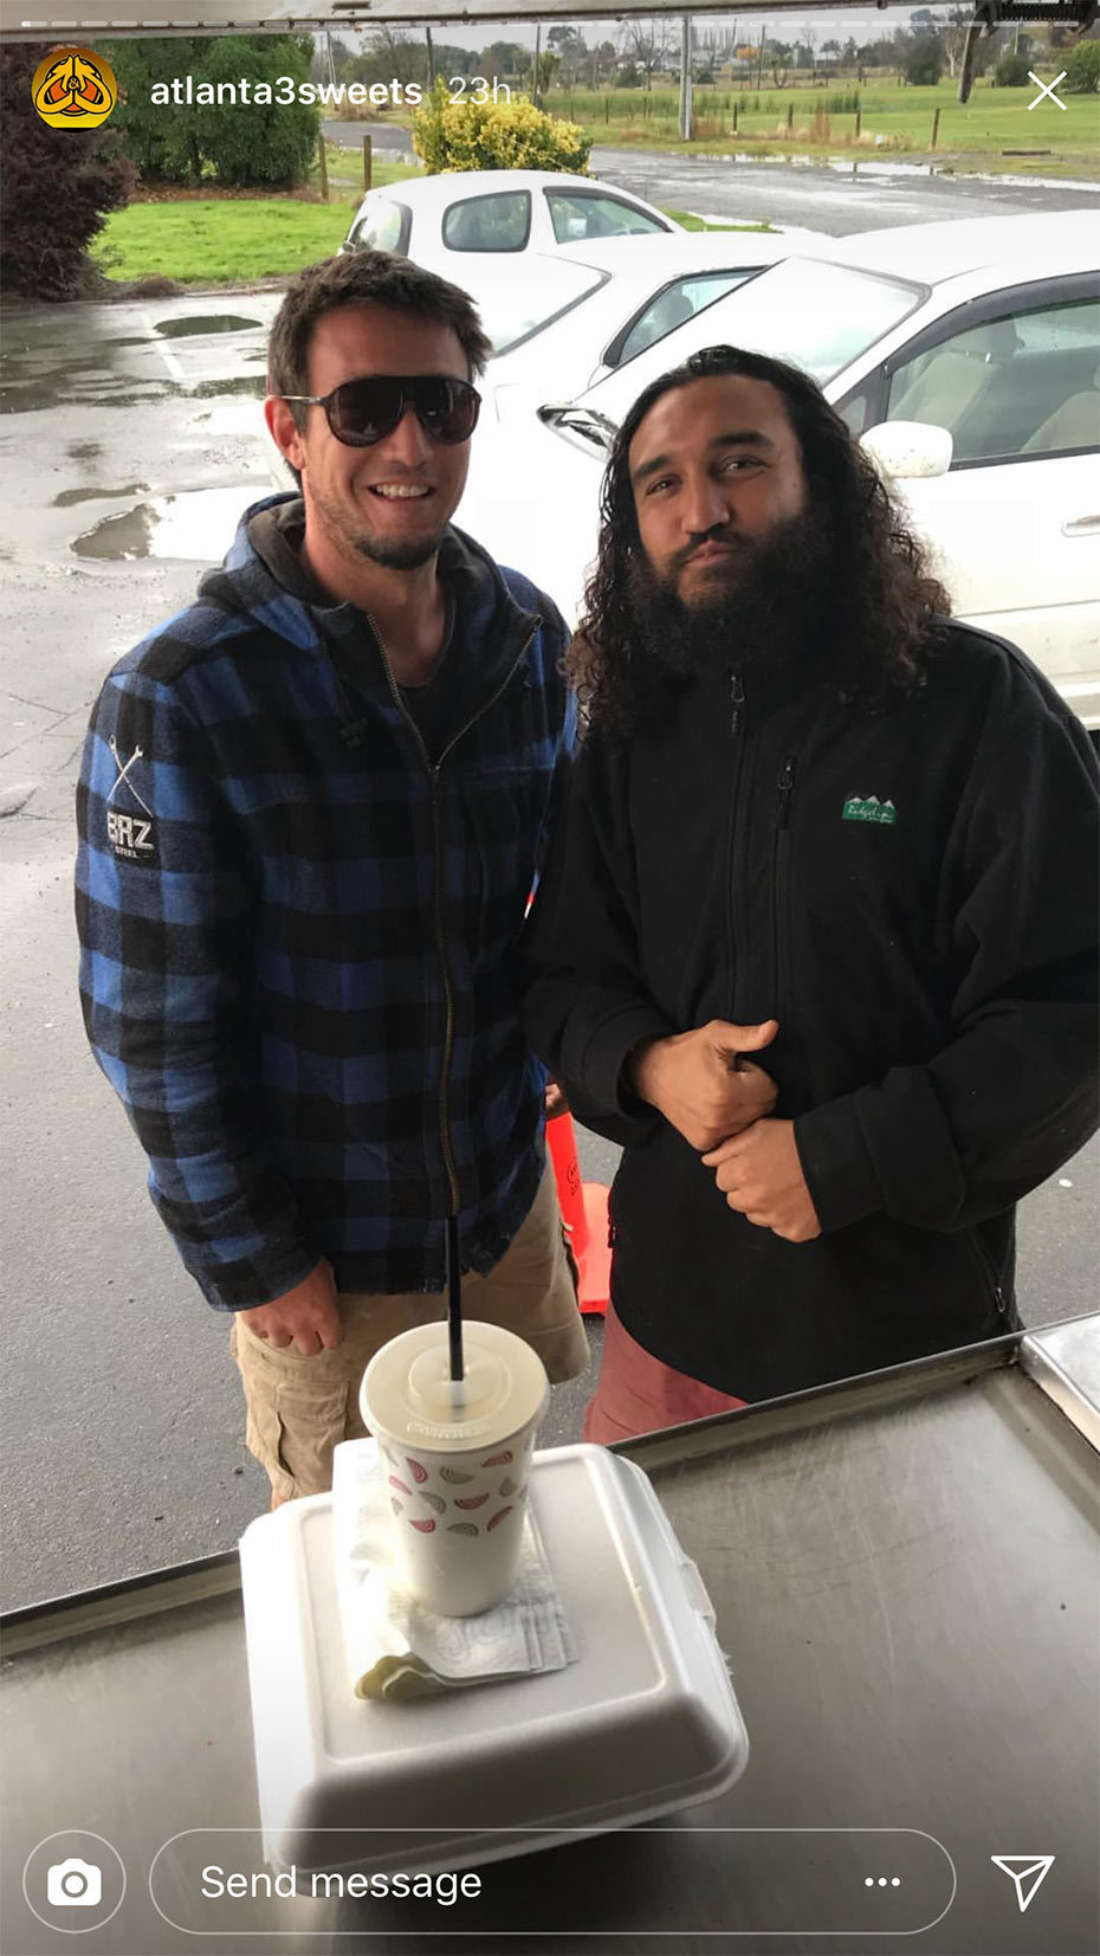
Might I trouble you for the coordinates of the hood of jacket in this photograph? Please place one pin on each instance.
(494, 611)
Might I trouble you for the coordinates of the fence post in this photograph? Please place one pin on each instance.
(367, 163)
(790, 115)
(935, 129)
(733, 131)
(859, 122)
(322, 160)
(607, 107)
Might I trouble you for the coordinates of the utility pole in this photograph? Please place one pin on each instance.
(431, 56)
(538, 47)
(684, 113)
(760, 58)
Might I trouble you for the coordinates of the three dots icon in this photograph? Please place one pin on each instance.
(882, 1881)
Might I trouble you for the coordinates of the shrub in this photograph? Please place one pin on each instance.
(235, 144)
(59, 185)
(514, 135)
(924, 65)
(1011, 71)
(1083, 69)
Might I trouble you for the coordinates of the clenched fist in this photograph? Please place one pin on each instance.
(701, 1082)
(760, 1174)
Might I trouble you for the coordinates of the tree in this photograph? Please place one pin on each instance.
(648, 45)
(924, 64)
(952, 38)
(59, 185)
(221, 136)
(568, 43)
(506, 59)
(547, 69)
(1083, 69)
(1012, 71)
(393, 55)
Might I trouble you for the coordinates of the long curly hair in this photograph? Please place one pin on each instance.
(886, 610)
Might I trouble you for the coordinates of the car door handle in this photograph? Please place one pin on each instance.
(1081, 526)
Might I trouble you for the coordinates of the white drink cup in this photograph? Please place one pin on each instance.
(455, 1457)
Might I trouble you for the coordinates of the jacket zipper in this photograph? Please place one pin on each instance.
(987, 1273)
(737, 721)
(780, 854)
(437, 894)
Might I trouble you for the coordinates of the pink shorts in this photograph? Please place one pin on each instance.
(636, 1393)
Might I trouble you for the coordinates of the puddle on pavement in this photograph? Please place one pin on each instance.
(70, 496)
(223, 322)
(209, 390)
(197, 523)
(84, 451)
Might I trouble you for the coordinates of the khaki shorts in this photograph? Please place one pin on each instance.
(300, 1408)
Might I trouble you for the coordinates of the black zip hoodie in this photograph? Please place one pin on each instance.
(912, 894)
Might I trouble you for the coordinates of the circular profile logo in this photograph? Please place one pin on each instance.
(74, 89)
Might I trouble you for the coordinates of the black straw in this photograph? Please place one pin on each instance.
(454, 1299)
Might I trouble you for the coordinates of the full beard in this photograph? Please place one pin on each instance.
(764, 609)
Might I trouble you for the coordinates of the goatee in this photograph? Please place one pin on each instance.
(762, 609)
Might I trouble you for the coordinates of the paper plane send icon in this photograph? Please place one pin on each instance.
(1028, 1871)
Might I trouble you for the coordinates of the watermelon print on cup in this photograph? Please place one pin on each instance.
(460, 1456)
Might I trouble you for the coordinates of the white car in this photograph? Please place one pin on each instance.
(965, 355)
(462, 223)
(584, 312)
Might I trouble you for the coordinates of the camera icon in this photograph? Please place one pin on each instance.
(74, 1884)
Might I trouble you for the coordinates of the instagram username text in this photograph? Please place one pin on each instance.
(183, 91)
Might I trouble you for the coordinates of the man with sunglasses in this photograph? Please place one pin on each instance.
(312, 809)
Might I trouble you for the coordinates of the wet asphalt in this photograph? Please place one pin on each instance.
(130, 441)
(847, 196)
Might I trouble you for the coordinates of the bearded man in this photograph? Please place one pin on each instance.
(818, 942)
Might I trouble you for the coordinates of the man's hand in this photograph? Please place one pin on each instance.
(760, 1174)
(702, 1084)
(556, 1102)
(305, 1316)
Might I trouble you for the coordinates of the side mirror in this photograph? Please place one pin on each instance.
(909, 448)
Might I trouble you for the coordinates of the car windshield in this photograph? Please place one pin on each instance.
(517, 309)
(813, 314)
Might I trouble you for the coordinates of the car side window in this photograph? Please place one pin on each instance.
(384, 226)
(499, 222)
(679, 301)
(576, 215)
(1026, 384)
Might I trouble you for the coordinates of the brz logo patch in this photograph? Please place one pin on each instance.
(130, 838)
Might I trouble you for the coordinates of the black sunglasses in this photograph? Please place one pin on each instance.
(361, 412)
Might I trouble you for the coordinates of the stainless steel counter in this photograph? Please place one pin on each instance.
(907, 1581)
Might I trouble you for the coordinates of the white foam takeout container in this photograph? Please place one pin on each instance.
(645, 1722)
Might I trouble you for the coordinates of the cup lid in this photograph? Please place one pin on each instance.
(408, 1393)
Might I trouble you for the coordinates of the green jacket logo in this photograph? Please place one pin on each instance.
(857, 809)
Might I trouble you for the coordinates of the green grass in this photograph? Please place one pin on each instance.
(973, 135)
(231, 240)
(692, 223)
(200, 241)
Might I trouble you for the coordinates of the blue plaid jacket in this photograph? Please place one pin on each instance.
(299, 959)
